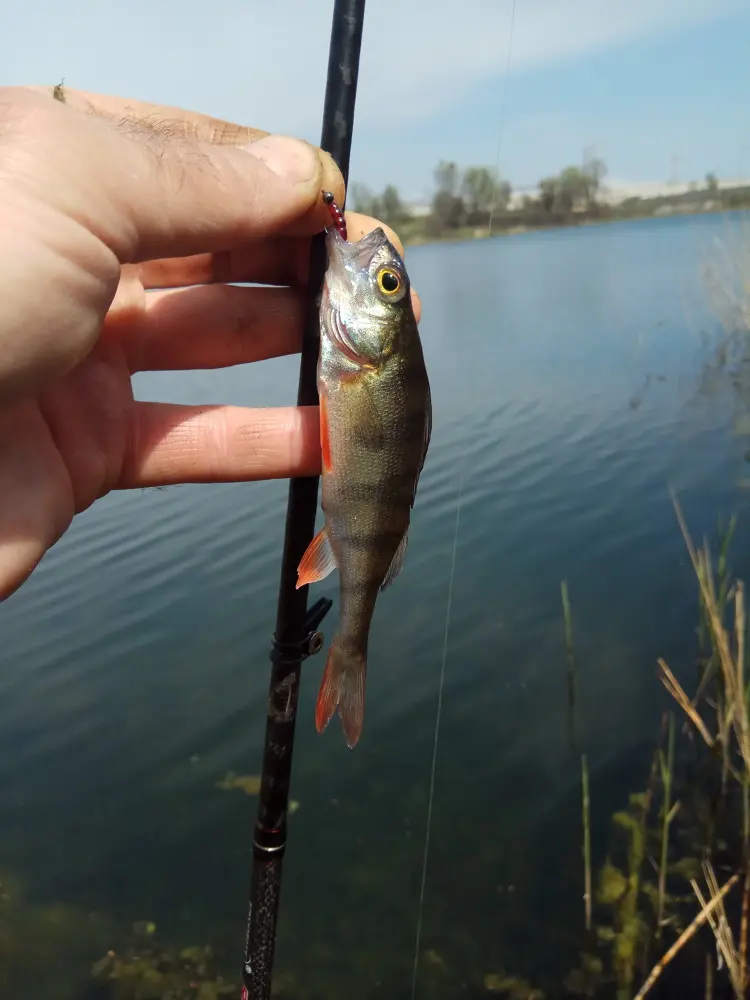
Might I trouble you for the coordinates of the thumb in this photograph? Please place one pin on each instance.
(205, 197)
(148, 187)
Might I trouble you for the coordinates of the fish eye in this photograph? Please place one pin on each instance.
(388, 282)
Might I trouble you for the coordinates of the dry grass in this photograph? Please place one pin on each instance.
(705, 914)
(724, 676)
(727, 277)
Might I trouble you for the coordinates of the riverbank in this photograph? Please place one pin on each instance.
(411, 236)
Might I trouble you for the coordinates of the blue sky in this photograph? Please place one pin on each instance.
(653, 85)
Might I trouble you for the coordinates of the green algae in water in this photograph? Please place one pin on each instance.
(247, 783)
(45, 947)
(152, 972)
(510, 987)
(612, 885)
(250, 785)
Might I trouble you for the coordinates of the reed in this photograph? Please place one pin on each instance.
(666, 767)
(570, 658)
(586, 840)
(723, 692)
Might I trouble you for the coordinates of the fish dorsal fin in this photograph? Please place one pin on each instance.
(317, 562)
(397, 562)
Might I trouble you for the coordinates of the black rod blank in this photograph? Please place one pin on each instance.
(296, 636)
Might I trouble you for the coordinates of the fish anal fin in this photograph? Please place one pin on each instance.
(317, 562)
(397, 562)
(343, 687)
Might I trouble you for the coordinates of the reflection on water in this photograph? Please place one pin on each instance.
(135, 661)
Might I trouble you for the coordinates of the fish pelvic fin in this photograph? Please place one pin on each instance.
(343, 687)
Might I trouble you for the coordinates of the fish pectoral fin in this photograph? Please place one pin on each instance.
(397, 562)
(317, 562)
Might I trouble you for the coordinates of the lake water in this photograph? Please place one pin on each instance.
(564, 369)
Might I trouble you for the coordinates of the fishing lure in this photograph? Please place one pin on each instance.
(337, 215)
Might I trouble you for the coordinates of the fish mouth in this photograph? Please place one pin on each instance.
(336, 329)
(343, 255)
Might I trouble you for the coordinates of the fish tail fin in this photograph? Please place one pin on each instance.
(343, 687)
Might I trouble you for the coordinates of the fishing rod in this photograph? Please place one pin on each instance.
(297, 636)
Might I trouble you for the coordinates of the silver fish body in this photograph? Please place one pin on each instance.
(376, 422)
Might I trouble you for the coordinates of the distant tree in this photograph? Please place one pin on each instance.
(594, 170)
(392, 209)
(573, 187)
(548, 193)
(712, 184)
(447, 177)
(387, 207)
(360, 199)
(448, 210)
(482, 194)
(477, 188)
(503, 192)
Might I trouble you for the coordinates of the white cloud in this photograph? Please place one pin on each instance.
(264, 62)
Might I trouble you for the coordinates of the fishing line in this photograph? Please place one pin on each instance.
(436, 740)
(441, 683)
(502, 116)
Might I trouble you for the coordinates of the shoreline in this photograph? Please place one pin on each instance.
(470, 234)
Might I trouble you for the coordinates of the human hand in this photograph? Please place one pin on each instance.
(102, 199)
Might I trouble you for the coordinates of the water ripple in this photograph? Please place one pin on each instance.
(136, 659)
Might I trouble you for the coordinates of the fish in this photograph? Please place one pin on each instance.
(375, 430)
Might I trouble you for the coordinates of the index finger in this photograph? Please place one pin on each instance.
(276, 261)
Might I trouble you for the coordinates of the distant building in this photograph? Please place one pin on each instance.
(418, 210)
(613, 193)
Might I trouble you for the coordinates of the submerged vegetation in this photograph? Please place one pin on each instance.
(676, 877)
(473, 202)
(149, 971)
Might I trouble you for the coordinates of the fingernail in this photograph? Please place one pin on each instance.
(289, 158)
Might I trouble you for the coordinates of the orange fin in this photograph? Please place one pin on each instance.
(317, 562)
(342, 687)
(325, 437)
